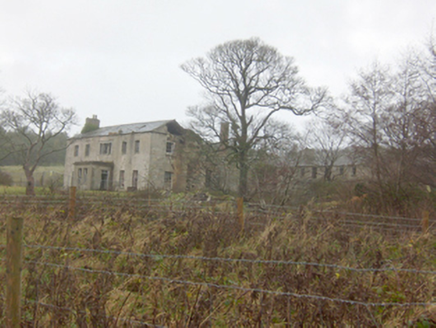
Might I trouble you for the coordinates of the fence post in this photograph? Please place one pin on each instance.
(240, 211)
(72, 205)
(425, 221)
(14, 250)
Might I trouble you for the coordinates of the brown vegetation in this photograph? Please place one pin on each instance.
(83, 272)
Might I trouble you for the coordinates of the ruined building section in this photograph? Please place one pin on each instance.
(143, 156)
(209, 167)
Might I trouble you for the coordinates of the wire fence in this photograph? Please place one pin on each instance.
(231, 260)
(255, 213)
(233, 287)
(261, 217)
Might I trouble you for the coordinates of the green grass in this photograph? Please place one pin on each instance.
(19, 179)
(19, 190)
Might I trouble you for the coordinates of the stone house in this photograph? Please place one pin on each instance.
(144, 156)
(316, 164)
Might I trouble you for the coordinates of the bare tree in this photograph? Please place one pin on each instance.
(29, 124)
(425, 118)
(328, 138)
(246, 82)
(401, 118)
(370, 97)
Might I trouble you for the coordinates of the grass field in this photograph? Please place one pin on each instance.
(119, 263)
(42, 174)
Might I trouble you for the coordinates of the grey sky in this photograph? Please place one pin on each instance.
(120, 59)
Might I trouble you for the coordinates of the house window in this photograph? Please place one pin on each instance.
(303, 171)
(314, 172)
(124, 147)
(122, 179)
(105, 148)
(169, 148)
(353, 171)
(136, 146)
(135, 179)
(76, 150)
(85, 175)
(87, 149)
(168, 180)
(341, 170)
(79, 176)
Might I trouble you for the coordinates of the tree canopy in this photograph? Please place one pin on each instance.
(246, 82)
(30, 127)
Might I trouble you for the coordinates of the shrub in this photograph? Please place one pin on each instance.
(5, 179)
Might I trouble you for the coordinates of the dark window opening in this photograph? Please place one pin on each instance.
(314, 172)
(169, 148)
(105, 148)
(168, 180)
(135, 179)
(122, 179)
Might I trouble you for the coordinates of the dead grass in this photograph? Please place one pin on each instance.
(102, 300)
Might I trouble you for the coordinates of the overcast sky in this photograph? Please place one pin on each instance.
(121, 60)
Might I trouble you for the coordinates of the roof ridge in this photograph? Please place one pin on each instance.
(138, 123)
(139, 127)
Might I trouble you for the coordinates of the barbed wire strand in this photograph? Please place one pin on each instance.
(365, 215)
(221, 259)
(235, 287)
(181, 203)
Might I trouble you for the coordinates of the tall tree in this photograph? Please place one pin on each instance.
(370, 98)
(426, 120)
(401, 118)
(33, 121)
(246, 82)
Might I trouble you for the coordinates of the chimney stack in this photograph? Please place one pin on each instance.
(94, 121)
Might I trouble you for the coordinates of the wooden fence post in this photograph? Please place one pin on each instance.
(72, 205)
(14, 250)
(240, 211)
(425, 221)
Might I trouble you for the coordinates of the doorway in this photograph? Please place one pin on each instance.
(104, 179)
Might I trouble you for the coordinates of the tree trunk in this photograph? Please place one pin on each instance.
(30, 186)
(379, 176)
(243, 176)
(328, 172)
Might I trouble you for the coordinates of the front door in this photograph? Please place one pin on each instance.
(104, 179)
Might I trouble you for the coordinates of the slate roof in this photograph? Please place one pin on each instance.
(124, 129)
